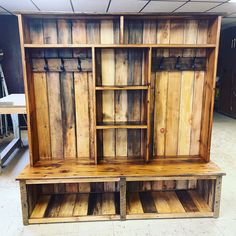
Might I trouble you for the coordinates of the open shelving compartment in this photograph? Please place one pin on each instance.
(124, 102)
(68, 202)
(171, 198)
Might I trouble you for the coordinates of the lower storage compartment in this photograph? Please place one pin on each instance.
(120, 199)
(75, 207)
(167, 204)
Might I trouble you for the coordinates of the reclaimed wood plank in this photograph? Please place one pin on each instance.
(68, 115)
(121, 102)
(186, 201)
(198, 201)
(67, 205)
(54, 206)
(108, 76)
(161, 89)
(81, 205)
(82, 114)
(79, 32)
(147, 202)
(134, 205)
(42, 117)
(108, 204)
(55, 115)
(41, 206)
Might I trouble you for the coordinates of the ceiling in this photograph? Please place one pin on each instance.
(226, 7)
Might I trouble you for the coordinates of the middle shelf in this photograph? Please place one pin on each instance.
(122, 125)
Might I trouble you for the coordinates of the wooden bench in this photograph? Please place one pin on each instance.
(65, 191)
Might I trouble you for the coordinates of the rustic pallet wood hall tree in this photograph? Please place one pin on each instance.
(120, 114)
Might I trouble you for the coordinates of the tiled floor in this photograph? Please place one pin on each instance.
(223, 153)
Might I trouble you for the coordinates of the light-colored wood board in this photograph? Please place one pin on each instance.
(81, 205)
(108, 204)
(149, 31)
(172, 116)
(185, 119)
(108, 77)
(107, 32)
(41, 206)
(42, 117)
(55, 115)
(82, 114)
(199, 79)
(163, 32)
(68, 115)
(67, 205)
(134, 205)
(160, 109)
(79, 32)
(121, 101)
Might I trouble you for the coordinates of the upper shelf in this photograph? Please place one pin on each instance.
(119, 45)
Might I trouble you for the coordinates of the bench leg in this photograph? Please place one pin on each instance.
(24, 203)
(122, 198)
(217, 197)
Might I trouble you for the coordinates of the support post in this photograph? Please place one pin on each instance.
(24, 203)
(122, 198)
(217, 196)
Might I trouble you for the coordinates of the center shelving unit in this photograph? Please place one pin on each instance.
(119, 116)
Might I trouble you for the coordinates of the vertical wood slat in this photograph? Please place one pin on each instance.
(122, 29)
(68, 115)
(161, 91)
(199, 79)
(149, 72)
(55, 115)
(82, 114)
(121, 106)
(134, 101)
(42, 117)
(93, 133)
(186, 96)
(174, 89)
(29, 96)
(209, 92)
(108, 78)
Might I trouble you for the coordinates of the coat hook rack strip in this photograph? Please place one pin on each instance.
(57, 65)
(179, 63)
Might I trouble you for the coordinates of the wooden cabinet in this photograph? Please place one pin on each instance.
(227, 74)
(119, 111)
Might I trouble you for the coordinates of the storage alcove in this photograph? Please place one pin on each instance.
(119, 111)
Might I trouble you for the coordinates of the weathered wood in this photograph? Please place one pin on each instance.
(217, 197)
(68, 115)
(55, 115)
(82, 114)
(123, 198)
(81, 205)
(42, 116)
(24, 203)
(67, 205)
(41, 206)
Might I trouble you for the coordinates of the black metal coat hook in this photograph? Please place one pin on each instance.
(79, 65)
(193, 63)
(62, 66)
(46, 67)
(177, 64)
(161, 66)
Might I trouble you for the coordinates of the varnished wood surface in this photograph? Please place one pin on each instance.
(72, 169)
(35, 45)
